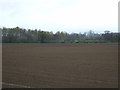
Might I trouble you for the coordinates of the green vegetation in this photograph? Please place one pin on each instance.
(19, 35)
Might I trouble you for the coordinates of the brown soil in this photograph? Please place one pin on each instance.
(60, 65)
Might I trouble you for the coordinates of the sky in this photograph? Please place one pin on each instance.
(72, 16)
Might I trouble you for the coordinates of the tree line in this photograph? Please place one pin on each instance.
(19, 35)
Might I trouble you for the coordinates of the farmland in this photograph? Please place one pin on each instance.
(60, 65)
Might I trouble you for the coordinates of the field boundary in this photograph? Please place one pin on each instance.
(17, 85)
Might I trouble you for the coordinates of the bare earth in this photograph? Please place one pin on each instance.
(60, 66)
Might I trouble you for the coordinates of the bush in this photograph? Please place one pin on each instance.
(76, 41)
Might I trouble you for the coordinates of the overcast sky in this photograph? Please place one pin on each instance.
(60, 15)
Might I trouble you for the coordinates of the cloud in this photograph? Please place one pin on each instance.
(59, 14)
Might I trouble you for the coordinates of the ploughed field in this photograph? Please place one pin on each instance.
(60, 65)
